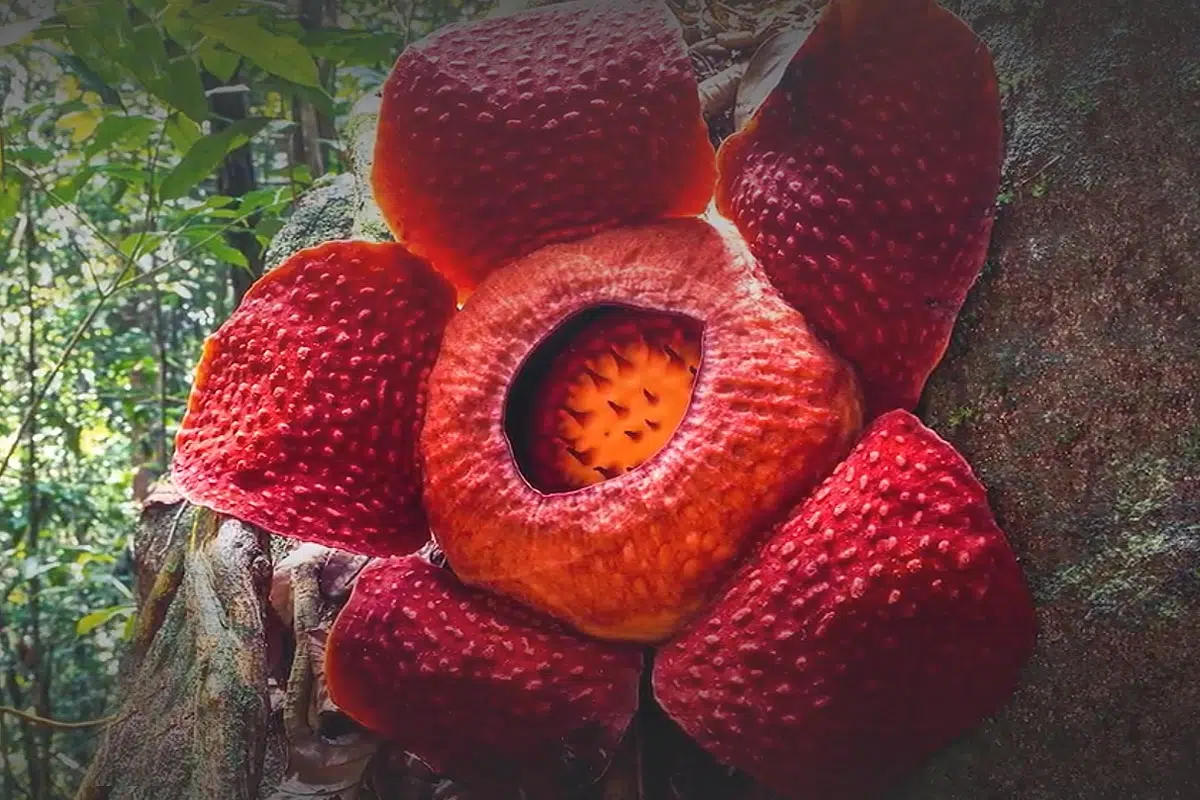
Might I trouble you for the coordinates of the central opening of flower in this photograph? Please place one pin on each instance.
(601, 395)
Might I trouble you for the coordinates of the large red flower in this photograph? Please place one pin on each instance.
(643, 425)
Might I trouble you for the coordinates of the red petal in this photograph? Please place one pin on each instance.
(884, 618)
(308, 401)
(499, 136)
(866, 182)
(481, 690)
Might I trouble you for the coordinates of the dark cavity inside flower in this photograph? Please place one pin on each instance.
(601, 395)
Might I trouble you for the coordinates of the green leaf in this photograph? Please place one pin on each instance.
(178, 25)
(277, 54)
(318, 97)
(68, 188)
(107, 22)
(99, 69)
(227, 253)
(267, 227)
(34, 155)
(182, 132)
(88, 78)
(124, 172)
(137, 244)
(217, 201)
(103, 34)
(94, 620)
(10, 197)
(52, 28)
(80, 124)
(301, 177)
(351, 47)
(204, 156)
(174, 81)
(185, 89)
(260, 198)
(219, 61)
(144, 53)
(118, 190)
(115, 130)
(83, 557)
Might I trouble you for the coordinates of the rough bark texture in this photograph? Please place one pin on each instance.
(1070, 385)
(193, 720)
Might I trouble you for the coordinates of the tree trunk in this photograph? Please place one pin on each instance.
(314, 129)
(1070, 385)
(36, 657)
(236, 178)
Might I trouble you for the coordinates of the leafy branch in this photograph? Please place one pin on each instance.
(118, 284)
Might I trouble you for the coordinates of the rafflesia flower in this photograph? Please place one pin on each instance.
(630, 419)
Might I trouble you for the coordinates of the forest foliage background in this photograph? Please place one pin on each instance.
(150, 150)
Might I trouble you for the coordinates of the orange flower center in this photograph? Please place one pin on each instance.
(609, 393)
(624, 405)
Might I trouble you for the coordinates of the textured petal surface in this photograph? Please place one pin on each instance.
(884, 618)
(497, 136)
(866, 184)
(772, 411)
(308, 401)
(481, 690)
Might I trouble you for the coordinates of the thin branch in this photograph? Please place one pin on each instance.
(56, 723)
(79, 215)
(118, 284)
(108, 292)
(158, 270)
(85, 261)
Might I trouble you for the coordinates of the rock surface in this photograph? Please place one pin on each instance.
(1071, 386)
